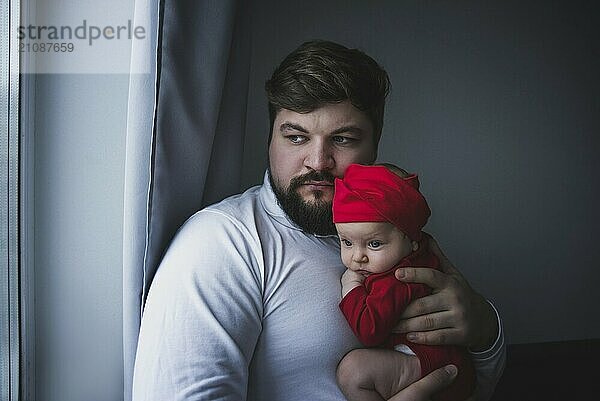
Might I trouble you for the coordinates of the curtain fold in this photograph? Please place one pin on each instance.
(185, 133)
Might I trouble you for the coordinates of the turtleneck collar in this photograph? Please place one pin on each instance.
(271, 205)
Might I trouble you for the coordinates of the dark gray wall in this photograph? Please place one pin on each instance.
(495, 105)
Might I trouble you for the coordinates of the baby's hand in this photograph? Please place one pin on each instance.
(352, 276)
(350, 280)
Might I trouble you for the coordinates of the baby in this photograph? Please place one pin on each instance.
(379, 212)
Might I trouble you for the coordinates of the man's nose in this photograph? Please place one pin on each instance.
(320, 156)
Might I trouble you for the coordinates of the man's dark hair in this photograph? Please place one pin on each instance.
(320, 72)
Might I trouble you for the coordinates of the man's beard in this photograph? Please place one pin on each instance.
(313, 217)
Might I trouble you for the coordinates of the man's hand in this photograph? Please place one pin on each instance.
(350, 280)
(423, 389)
(453, 314)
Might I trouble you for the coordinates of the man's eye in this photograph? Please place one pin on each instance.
(296, 139)
(343, 140)
(374, 244)
(346, 242)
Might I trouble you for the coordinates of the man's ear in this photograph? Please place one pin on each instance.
(415, 246)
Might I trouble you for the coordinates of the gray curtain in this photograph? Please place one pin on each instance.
(185, 129)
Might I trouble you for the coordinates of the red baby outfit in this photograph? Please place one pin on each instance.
(373, 193)
(372, 311)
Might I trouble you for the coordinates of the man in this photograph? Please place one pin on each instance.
(244, 303)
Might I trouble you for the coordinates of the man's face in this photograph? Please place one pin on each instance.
(307, 151)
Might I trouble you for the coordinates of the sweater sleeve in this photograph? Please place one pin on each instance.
(373, 309)
(203, 315)
(489, 364)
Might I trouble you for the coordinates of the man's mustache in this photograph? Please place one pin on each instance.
(311, 176)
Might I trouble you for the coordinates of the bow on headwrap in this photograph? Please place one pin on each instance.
(375, 194)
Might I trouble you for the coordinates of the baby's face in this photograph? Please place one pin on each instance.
(372, 247)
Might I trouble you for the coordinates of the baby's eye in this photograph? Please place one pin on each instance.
(346, 242)
(374, 244)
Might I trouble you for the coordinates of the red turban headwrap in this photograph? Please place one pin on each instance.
(375, 194)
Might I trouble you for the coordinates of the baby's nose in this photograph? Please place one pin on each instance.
(360, 257)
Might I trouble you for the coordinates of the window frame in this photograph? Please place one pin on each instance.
(16, 216)
(9, 200)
